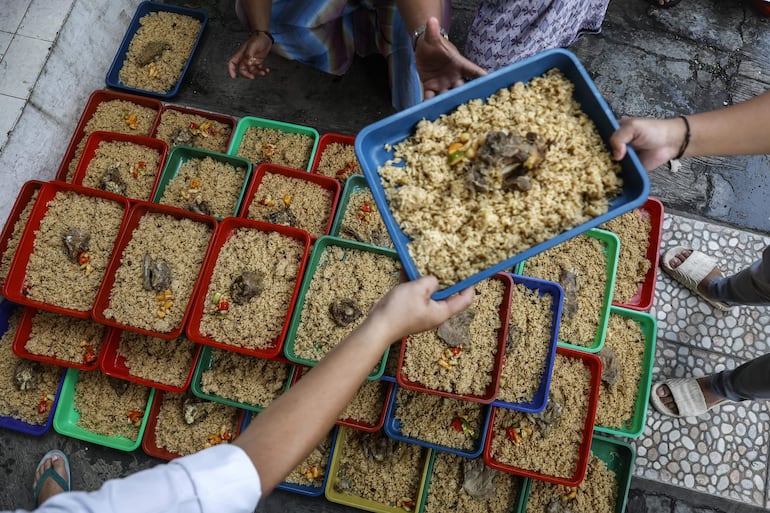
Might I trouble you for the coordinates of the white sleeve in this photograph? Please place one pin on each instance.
(220, 479)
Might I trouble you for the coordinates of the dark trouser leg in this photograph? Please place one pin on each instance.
(751, 286)
(750, 381)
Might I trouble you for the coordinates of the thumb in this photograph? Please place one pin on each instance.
(620, 139)
(432, 33)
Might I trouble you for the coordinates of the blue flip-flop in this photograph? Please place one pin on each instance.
(66, 484)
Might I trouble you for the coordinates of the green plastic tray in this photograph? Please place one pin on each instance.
(359, 502)
(66, 417)
(353, 184)
(321, 244)
(181, 154)
(618, 456)
(196, 385)
(250, 121)
(516, 508)
(648, 325)
(611, 245)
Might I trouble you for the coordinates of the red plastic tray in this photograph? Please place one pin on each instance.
(139, 209)
(149, 442)
(22, 337)
(113, 363)
(642, 300)
(502, 335)
(97, 97)
(353, 423)
(92, 144)
(221, 118)
(326, 140)
(226, 229)
(14, 285)
(595, 366)
(25, 195)
(330, 184)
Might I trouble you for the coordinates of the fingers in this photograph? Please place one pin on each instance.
(622, 137)
(459, 302)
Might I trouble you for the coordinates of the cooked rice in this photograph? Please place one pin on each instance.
(435, 419)
(15, 238)
(105, 403)
(368, 405)
(52, 277)
(526, 350)
(216, 183)
(456, 232)
(633, 229)
(584, 258)
(135, 164)
(339, 161)
(341, 273)
(312, 470)
(284, 148)
(362, 220)
(161, 69)
(186, 129)
(470, 372)
(556, 452)
(310, 203)
(392, 481)
(25, 405)
(258, 322)
(65, 338)
(122, 116)
(244, 379)
(598, 493)
(172, 432)
(182, 244)
(446, 492)
(617, 401)
(163, 361)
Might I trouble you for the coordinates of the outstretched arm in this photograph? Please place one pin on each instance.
(440, 64)
(741, 129)
(248, 60)
(285, 432)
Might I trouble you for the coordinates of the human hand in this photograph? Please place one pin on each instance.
(408, 308)
(248, 61)
(440, 64)
(656, 141)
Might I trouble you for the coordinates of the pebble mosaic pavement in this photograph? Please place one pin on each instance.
(724, 452)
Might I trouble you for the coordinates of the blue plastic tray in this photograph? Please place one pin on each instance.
(113, 79)
(370, 150)
(392, 428)
(543, 287)
(6, 310)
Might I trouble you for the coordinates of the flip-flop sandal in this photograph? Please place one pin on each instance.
(66, 484)
(667, 5)
(687, 395)
(692, 271)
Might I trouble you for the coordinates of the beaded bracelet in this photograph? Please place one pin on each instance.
(686, 138)
(265, 32)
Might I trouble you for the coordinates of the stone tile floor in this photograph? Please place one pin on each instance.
(724, 452)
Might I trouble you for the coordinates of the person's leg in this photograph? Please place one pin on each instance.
(751, 286)
(749, 382)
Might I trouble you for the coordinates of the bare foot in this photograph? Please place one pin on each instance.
(668, 400)
(50, 487)
(679, 259)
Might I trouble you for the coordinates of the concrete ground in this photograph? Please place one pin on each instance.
(701, 55)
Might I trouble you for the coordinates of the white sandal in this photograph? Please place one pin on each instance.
(687, 396)
(692, 271)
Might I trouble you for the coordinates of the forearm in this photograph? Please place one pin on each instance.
(283, 434)
(258, 13)
(742, 129)
(416, 12)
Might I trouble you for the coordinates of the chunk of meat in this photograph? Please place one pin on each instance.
(455, 331)
(478, 478)
(151, 52)
(569, 282)
(344, 311)
(76, 241)
(246, 286)
(611, 368)
(503, 161)
(156, 274)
